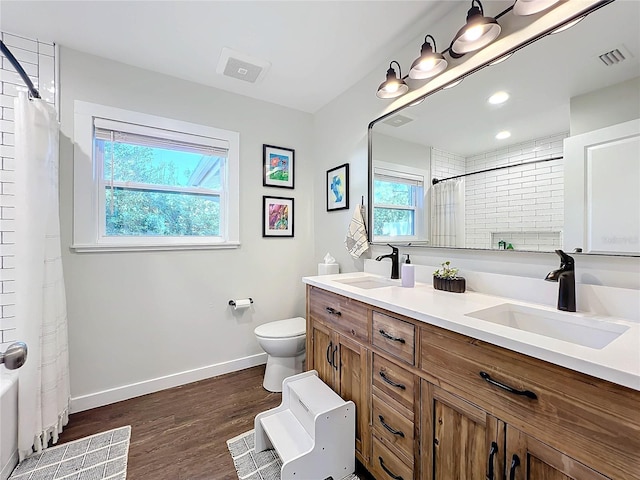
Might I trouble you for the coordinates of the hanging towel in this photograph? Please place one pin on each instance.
(356, 239)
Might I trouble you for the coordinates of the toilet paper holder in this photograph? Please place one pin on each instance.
(233, 302)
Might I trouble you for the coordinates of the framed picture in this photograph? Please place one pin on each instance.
(277, 216)
(278, 165)
(338, 188)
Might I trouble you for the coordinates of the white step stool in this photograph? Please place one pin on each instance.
(313, 430)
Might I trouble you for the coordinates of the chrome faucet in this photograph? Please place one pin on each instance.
(395, 262)
(566, 278)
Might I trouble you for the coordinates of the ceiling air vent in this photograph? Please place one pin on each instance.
(615, 56)
(397, 120)
(241, 66)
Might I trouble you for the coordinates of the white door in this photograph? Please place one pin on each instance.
(602, 190)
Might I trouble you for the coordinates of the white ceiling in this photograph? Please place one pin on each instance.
(317, 49)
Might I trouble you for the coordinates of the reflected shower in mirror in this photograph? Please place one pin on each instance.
(484, 165)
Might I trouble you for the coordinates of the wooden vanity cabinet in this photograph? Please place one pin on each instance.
(339, 356)
(432, 404)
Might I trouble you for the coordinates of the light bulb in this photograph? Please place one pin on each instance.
(503, 134)
(498, 98)
(473, 34)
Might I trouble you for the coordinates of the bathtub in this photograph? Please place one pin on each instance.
(8, 422)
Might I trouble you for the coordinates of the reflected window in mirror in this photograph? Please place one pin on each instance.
(399, 212)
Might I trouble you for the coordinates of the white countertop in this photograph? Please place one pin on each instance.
(617, 362)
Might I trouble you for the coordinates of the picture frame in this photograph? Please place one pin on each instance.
(278, 166)
(337, 188)
(277, 216)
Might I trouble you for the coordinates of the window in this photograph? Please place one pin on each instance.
(152, 182)
(398, 203)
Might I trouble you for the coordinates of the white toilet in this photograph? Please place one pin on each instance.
(284, 342)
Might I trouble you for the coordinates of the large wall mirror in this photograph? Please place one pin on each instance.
(543, 148)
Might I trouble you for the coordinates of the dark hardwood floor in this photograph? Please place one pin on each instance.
(181, 433)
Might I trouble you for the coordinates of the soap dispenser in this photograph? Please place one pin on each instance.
(408, 274)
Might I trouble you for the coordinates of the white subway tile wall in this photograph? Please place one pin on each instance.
(38, 60)
(522, 205)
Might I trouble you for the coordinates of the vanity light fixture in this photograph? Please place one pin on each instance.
(498, 98)
(393, 86)
(567, 26)
(531, 7)
(478, 32)
(430, 63)
(503, 135)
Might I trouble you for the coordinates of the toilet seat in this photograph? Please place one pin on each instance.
(290, 327)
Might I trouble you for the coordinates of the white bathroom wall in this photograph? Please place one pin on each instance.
(605, 107)
(341, 133)
(37, 59)
(141, 321)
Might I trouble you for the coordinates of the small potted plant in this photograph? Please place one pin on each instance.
(447, 279)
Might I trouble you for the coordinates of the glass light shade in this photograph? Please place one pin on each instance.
(392, 87)
(428, 67)
(428, 64)
(531, 7)
(503, 135)
(476, 34)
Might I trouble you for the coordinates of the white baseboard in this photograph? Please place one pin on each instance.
(9, 466)
(125, 392)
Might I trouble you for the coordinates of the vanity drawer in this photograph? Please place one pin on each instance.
(394, 381)
(341, 313)
(387, 466)
(393, 427)
(394, 336)
(569, 410)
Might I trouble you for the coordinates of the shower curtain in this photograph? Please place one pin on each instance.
(447, 217)
(41, 317)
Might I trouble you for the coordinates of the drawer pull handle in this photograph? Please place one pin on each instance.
(333, 311)
(329, 347)
(492, 452)
(390, 337)
(515, 463)
(389, 472)
(388, 427)
(526, 393)
(391, 382)
(333, 358)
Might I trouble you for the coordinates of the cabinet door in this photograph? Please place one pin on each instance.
(460, 441)
(324, 354)
(530, 459)
(353, 385)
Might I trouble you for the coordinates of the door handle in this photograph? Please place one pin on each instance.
(389, 427)
(391, 337)
(333, 358)
(492, 452)
(515, 463)
(329, 348)
(391, 382)
(525, 393)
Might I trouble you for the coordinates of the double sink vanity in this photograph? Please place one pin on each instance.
(474, 386)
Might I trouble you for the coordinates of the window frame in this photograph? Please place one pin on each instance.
(420, 209)
(88, 199)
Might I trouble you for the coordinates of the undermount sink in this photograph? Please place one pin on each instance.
(366, 283)
(561, 326)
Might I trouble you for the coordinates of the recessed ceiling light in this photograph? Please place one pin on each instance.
(501, 59)
(503, 134)
(567, 26)
(453, 84)
(498, 98)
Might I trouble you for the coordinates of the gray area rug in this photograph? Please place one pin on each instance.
(99, 457)
(258, 466)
